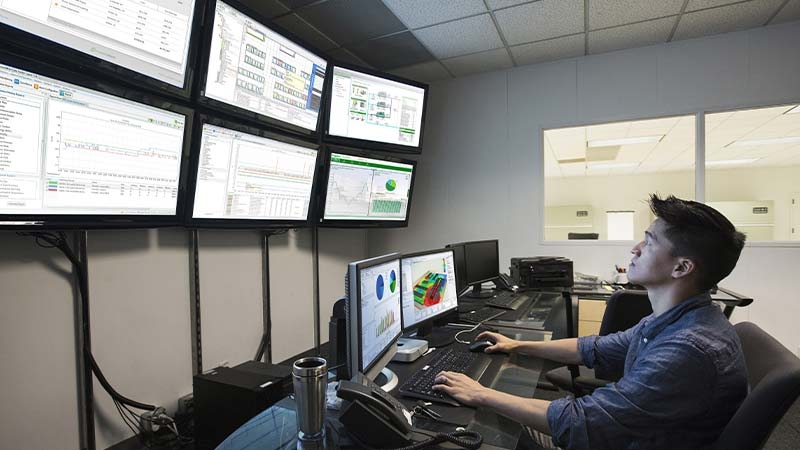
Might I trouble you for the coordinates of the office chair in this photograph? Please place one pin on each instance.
(624, 309)
(573, 236)
(773, 374)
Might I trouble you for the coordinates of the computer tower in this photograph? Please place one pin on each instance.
(227, 397)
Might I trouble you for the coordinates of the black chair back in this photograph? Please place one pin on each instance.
(773, 373)
(624, 309)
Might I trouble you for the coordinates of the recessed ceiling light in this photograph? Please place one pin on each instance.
(771, 141)
(611, 165)
(624, 141)
(795, 110)
(731, 162)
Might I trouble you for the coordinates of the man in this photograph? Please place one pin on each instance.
(684, 373)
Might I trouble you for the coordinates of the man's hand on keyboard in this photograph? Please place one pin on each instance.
(461, 387)
(501, 343)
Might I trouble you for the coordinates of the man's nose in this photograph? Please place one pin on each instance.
(636, 250)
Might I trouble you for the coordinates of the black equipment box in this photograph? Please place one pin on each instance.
(542, 272)
(227, 397)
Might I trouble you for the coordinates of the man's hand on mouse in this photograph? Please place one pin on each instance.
(461, 387)
(501, 343)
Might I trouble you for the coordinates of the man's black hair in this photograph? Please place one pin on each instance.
(702, 234)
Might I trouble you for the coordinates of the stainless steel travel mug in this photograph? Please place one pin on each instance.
(310, 377)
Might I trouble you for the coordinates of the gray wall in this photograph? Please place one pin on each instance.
(140, 319)
(481, 169)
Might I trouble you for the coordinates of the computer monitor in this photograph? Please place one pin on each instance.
(369, 109)
(73, 157)
(243, 177)
(147, 42)
(363, 190)
(373, 315)
(428, 292)
(254, 71)
(476, 262)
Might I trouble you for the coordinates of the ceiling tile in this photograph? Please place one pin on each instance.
(479, 62)
(397, 50)
(610, 13)
(421, 13)
(425, 72)
(726, 18)
(694, 5)
(541, 20)
(470, 35)
(635, 35)
(789, 12)
(267, 8)
(303, 30)
(348, 21)
(343, 55)
(499, 4)
(559, 48)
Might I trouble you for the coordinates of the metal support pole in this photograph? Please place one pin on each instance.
(194, 294)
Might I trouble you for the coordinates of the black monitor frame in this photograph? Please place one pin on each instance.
(23, 42)
(98, 221)
(476, 283)
(367, 223)
(424, 327)
(241, 113)
(234, 223)
(363, 143)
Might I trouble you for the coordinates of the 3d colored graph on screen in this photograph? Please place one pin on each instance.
(429, 289)
(392, 281)
(386, 321)
(379, 286)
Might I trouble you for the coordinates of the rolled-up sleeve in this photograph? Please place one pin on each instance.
(608, 352)
(642, 401)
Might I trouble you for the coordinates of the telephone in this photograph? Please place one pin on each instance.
(372, 415)
(506, 282)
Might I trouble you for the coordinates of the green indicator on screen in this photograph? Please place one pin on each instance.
(391, 185)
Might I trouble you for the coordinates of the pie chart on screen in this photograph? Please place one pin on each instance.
(392, 281)
(391, 185)
(379, 286)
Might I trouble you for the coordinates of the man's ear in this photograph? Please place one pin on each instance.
(684, 267)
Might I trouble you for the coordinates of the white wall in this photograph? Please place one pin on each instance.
(140, 319)
(481, 168)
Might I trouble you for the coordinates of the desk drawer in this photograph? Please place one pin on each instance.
(592, 310)
(588, 328)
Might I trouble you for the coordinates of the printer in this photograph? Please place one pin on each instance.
(535, 272)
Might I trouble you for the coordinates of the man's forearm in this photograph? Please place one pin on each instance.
(562, 350)
(527, 411)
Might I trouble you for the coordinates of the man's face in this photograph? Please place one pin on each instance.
(652, 262)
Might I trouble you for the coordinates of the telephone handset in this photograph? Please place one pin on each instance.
(506, 282)
(372, 415)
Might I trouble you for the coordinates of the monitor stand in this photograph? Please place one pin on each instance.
(476, 292)
(386, 379)
(436, 336)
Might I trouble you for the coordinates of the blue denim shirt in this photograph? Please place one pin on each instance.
(684, 377)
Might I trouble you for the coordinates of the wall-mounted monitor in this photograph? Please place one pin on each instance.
(257, 72)
(367, 109)
(73, 157)
(366, 190)
(142, 41)
(243, 177)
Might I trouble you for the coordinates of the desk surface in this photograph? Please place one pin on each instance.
(276, 427)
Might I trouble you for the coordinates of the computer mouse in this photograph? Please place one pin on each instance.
(479, 346)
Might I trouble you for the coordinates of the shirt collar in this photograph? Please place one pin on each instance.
(654, 325)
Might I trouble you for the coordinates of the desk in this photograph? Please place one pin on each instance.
(276, 427)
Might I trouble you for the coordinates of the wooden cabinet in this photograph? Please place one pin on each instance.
(590, 315)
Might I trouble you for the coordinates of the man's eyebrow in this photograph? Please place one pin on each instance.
(651, 235)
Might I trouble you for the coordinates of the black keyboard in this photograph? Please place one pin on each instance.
(479, 315)
(507, 300)
(420, 384)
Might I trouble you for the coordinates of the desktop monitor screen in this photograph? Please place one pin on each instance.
(368, 108)
(476, 262)
(253, 68)
(363, 191)
(76, 155)
(374, 313)
(151, 38)
(429, 286)
(246, 177)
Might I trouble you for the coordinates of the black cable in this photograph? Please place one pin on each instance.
(469, 440)
(114, 394)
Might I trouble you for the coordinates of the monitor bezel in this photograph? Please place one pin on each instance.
(354, 274)
(365, 143)
(101, 221)
(407, 328)
(319, 218)
(78, 61)
(242, 113)
(234, 223)
(466, 260)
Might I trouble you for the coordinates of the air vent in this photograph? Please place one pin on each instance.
(582, 213)
(760, 210)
